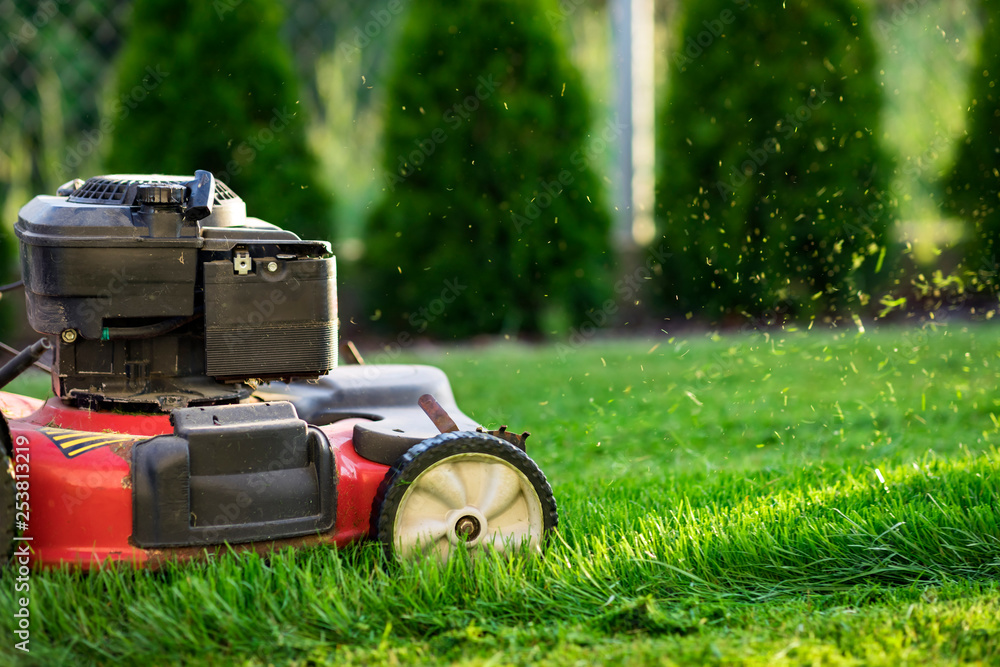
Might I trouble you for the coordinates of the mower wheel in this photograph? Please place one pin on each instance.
(463, 490)
(6, 509)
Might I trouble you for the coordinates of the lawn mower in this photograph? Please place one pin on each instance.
(199, 407)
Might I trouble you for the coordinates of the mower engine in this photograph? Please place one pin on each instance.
(159, 292)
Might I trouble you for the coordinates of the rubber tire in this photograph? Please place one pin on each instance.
(6, 510)
(423, 455)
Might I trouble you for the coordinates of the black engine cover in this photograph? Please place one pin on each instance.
(159, 292)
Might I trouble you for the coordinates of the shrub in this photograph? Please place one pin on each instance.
(772, 181)
(492, 218)
(210, 85)
(972, 190)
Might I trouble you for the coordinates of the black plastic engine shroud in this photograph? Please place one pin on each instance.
(159, 292)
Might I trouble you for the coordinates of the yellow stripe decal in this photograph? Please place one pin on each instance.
(81, 450)
(74, 443)
(67, 442)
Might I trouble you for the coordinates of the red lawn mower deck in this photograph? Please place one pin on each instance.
(199, 407)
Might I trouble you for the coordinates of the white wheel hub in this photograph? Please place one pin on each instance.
(472, 499)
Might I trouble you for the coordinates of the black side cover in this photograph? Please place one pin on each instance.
(271, 324)
(232, 473)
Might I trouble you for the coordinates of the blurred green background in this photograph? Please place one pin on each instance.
(822, 161)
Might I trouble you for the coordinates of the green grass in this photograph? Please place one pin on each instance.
(720, 502)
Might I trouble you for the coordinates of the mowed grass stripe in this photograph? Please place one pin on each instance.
(687, 533)
(923, 531)
(931, 524)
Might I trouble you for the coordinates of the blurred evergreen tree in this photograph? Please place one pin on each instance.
(772, 189)
(51, 54)
(972, 190)
(492, 217)
(210, 85)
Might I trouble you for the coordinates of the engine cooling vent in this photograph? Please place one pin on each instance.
(120, 191)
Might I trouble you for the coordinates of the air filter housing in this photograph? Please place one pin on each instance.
(160, 292)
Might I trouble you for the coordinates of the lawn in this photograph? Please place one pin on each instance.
(789, 497)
